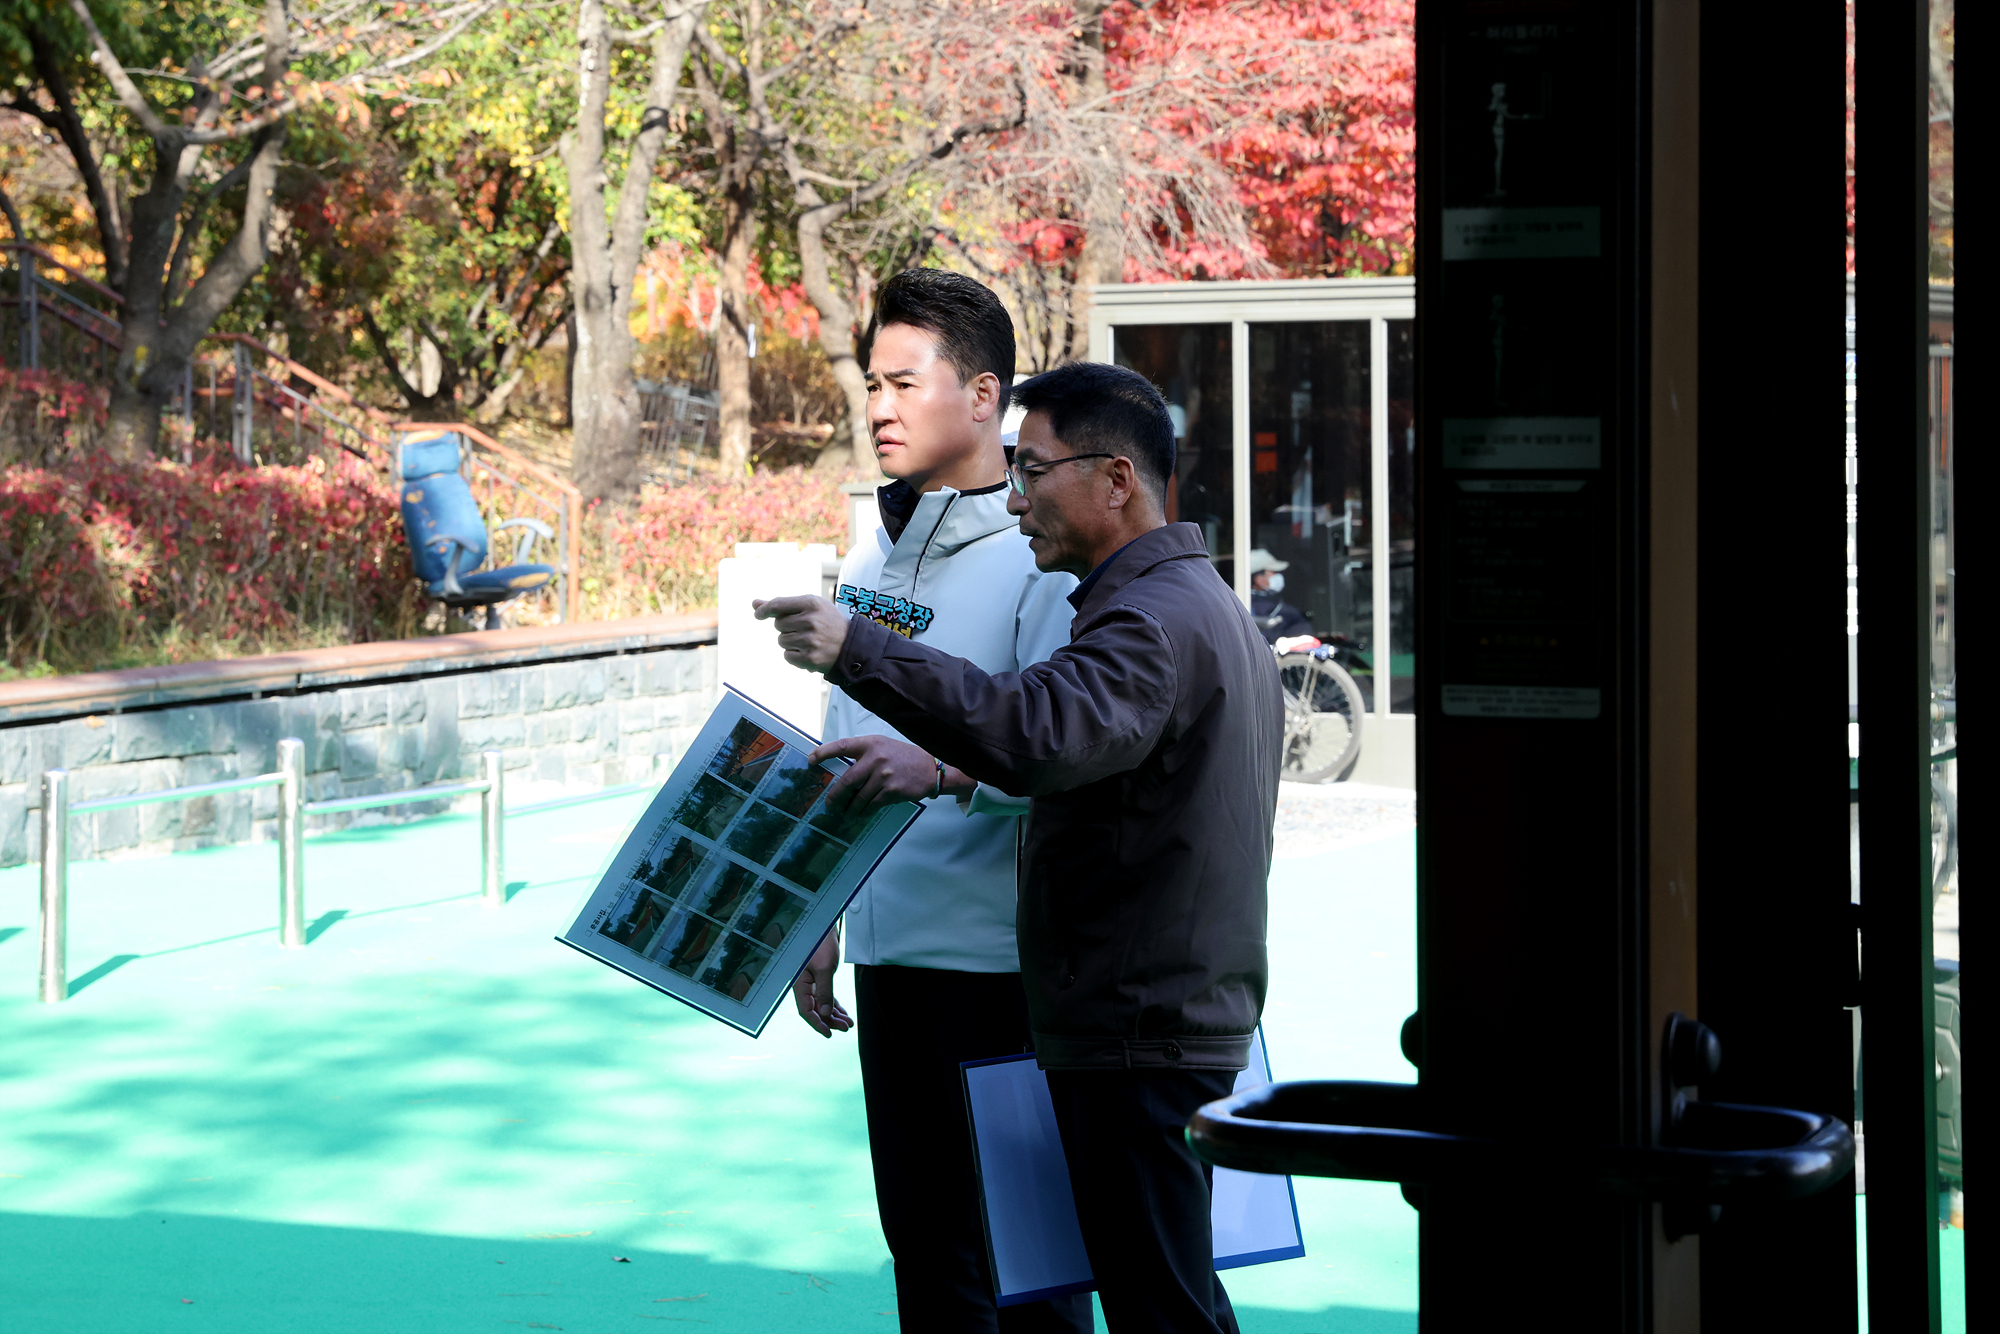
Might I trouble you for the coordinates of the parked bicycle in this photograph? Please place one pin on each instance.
(1323, 711)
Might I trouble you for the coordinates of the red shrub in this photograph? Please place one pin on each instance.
(99, 557)
(44, 417)
(661, 556)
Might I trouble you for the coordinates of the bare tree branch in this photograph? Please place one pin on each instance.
(13, 216)
(68, 125)
(191, 227)
(106, 61)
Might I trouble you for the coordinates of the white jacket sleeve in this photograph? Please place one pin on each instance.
(1041, 626)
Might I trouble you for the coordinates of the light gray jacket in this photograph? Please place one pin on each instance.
(956, 574)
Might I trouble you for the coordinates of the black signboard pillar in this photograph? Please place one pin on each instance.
(1550, 858)
(1630, 510)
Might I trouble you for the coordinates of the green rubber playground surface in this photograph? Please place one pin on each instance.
(437, 1119)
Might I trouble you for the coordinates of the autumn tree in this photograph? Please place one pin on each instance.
(848, 111)
(43, 59)
(1942, 33)
(1318, 131)
(436, 238)
(1101, 168)
(212, 81)
(606, 243)
(448, 259)
(1235, 140)
(1113, 173)
(743, 50)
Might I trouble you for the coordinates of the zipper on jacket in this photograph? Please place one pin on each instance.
(916, 575)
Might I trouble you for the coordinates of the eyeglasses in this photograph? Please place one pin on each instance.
(1019, 475)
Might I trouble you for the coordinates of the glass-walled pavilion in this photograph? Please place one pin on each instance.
(1293, 404)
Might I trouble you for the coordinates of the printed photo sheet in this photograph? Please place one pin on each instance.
(736, 871)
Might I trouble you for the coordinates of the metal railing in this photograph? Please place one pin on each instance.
(673, 427)
(290, 779)
(40, 344)
(271, 422)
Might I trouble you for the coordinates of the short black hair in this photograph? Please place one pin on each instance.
(1095, 407)
(974, 332)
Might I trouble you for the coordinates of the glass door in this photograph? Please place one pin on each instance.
(1330, 406)
(1190, 364)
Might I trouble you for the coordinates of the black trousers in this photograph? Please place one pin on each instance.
(1142, 1197)
(913, 1027)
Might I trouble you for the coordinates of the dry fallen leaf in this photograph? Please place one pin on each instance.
(619, 1259)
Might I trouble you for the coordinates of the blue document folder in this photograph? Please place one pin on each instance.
(1033, 1242)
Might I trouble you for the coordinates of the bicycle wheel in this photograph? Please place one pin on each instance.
(1322, 719)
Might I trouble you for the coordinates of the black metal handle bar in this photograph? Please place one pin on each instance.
(1723, 1152)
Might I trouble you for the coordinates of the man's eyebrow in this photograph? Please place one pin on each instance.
(905, 373)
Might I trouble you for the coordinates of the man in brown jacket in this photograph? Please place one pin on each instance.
(1150, 748)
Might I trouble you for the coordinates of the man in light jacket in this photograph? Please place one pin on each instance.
(1150, 745)
(931, 934)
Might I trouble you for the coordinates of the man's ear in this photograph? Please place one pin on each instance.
(1124, 482)
(987, 398)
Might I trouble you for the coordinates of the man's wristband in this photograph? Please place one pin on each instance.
(940, 784)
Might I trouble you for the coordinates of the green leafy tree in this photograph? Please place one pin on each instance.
(436, 236)
(195, 98)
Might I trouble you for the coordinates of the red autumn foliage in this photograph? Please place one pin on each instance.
(43, 416)
(1307, 105)
(1317, 126)
(101, 558)
(1325, 155)
(661, 555)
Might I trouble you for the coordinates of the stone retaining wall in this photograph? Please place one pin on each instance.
(571, 724)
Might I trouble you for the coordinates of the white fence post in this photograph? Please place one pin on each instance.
(291, 844)
(492, 844)
(55, 886)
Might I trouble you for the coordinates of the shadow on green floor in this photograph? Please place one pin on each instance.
(109, 1276)
(132, 1275)
(352, 1135)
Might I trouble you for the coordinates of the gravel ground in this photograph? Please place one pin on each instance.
(1321, 817)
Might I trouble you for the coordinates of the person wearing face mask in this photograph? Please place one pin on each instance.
(1275, 619)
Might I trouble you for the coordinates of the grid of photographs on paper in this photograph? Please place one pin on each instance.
(716, 891)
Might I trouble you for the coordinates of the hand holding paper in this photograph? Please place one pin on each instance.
(885, 771)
